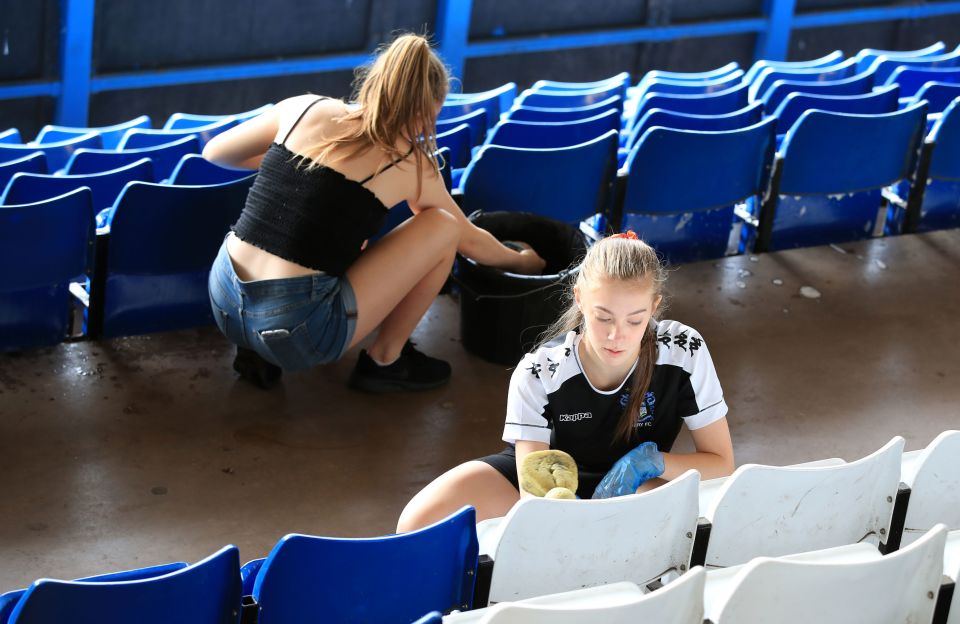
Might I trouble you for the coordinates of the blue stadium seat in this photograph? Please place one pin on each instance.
(10, 135)
(867, 56)
(939, 95)
(546, 135)
(742, 118)
(208, 591)
(622, 80)
(824, 61)
(912, 79)
(536, 113)
(185, 121)
(682, 186)
(57, 153)
(687, 87)
(567, 184)
(165, 158)
(719, 103)
(476, 120)
(854, 85)
(10, 599)
(162, 242)
(458, 141)
(389, 579)
(494, 101)
(884, 66)
(194, 169)
(880, 100)
(28, 188)
(35, 162)
(43, 247)
(770, 75)
(109, 135)
(141, 138)
(567, 99)
(830, 172)
(935, 202)
(401, 212)
(729, 68)
(434, 617)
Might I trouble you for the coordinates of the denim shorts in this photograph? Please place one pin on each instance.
(294, 322)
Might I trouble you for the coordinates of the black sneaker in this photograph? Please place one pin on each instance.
(255, 369)
(411, 372)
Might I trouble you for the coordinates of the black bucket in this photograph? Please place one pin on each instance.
(502, 314)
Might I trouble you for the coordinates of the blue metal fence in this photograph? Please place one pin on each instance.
(77, 80)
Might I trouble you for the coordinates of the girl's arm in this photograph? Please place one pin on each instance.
(475, 243)
(244, 145)
(524, 448)
(713, 458)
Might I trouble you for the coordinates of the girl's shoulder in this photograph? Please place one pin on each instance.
(678, 344)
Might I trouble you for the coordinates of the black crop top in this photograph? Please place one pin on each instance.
(317, 218)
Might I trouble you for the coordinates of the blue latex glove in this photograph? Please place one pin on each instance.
(641, 464)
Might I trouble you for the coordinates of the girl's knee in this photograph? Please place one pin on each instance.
(442, 221)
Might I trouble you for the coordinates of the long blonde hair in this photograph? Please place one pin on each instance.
(397, 95)
(626, 259)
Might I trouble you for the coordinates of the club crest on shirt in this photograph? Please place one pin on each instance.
(645, 416)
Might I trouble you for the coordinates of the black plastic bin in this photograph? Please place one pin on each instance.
(502, 314)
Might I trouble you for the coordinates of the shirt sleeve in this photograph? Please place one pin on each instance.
(707, 405)
(526, 402)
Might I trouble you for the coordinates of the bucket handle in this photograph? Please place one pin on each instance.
(562, 275)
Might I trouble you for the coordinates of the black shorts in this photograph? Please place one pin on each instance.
(505, 462)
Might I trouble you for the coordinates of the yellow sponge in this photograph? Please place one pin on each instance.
(542, 471)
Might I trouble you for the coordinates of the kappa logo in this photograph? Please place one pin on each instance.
(576, 417)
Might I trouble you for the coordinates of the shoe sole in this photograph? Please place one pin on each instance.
(384, 386)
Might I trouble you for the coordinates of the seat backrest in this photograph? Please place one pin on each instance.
(495, 100)
(780, 89)
(938, 95)
(194, 169)
(729, 68)
(139, 138)
(912, 79)
(208, 591)
(551, 546)
(57, 153)
(10, 135)
(621, 80)
(673, 171)
(742, 118)
(689, 87)
(396, 578)
(536, 134)
(945, 162)
(884, 66)
(183, 121)
(458, 142)
(934, 482)
(536, 113)
(165, 157)
(34, 162)
(476, 120)
(565, 183)
(26, 188)
(867, 56)
(109, 135)
(773, 511)
(827, 153)
(829, 59)
(55, 234)
(722, 102)
(880, 100)
(678, 602)
(769, 75)
(567, 99)
(900, 587)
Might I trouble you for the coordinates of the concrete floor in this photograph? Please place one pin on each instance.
(145, 450)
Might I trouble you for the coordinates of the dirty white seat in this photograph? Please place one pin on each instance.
(896, 588)
(549, 546)
(680, 602)
(933, 475)
(951, 569)
(773, 511)
(611, 595)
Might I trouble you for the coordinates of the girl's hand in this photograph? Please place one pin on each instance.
(530, 262)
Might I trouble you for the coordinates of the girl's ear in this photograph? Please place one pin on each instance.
(656, 302)
(576, 295)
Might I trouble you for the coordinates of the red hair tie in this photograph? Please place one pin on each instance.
(629, 235)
